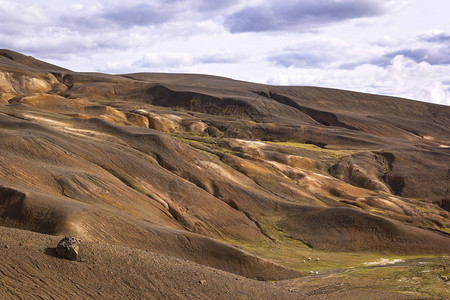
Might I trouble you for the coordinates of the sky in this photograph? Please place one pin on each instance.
(399, 48)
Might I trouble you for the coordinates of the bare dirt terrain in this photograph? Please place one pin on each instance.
(194, 186)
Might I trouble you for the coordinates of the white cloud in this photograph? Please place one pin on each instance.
(403, 77)
(419, 81)
(324, 52)
(29, 14)
(364, 78)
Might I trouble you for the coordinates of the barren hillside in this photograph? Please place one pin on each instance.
(182, 185)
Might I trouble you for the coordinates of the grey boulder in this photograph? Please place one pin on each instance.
(68, 248)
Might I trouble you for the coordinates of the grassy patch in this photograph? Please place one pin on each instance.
(417, 276)
(310, 147)
(420, 276)
(445, 229)
(201, 142)
(295, 254)
(419, 280)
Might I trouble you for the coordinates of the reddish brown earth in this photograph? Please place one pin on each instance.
(161, 174)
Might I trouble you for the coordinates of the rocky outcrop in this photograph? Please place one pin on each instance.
(361, 170)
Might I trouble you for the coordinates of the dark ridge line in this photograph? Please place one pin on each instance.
(63, 192)
(258, 225)
(317, 115)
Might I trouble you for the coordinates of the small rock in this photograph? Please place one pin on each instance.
(68, 248)
(6, 246)
(303, 261)
(309, 258)
(317, 259)
(203, 281)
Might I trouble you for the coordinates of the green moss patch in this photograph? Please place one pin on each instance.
(311, 147)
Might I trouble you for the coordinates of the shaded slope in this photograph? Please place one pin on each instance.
(347, 229)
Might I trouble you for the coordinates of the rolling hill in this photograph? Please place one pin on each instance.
(183, 185)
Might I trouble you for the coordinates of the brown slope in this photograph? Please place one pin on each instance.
(56, 215)
(113, 272)
(112, 217)
(167, 151)
(83, 140)
(108, 272)
(19, 61)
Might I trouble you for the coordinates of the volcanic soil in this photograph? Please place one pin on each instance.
(201, 187)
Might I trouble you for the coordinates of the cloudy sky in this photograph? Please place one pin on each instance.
(387, 47)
